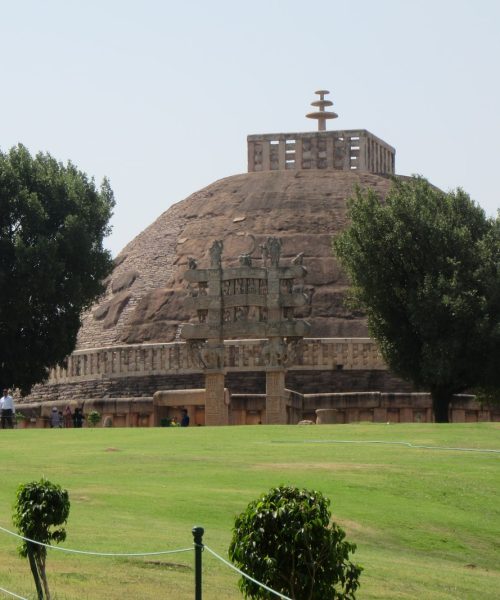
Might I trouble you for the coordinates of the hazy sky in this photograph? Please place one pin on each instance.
(160, 96)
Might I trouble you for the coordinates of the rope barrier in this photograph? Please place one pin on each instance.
(227, 563)
(381, 442)
(90, 553)
(12, 594)
(121, 554)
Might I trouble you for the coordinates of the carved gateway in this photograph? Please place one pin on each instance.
(247, 302)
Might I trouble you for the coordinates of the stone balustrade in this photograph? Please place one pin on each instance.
(239, 355)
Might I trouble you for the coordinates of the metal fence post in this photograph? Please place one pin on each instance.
(198, 549)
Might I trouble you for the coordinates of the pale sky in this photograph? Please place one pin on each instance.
(160, 96)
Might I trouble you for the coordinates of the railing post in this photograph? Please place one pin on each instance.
(198, 549)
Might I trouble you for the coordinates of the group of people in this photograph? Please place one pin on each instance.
(184, 422)
(57, 418)
(7, 410)
(66, 419)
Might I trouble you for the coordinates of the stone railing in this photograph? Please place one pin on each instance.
(239, 355)
(349, 150)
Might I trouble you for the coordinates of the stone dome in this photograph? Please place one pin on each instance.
(145, 296)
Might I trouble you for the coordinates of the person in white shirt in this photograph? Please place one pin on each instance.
(7, 409)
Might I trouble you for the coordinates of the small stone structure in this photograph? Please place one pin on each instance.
(246, 302)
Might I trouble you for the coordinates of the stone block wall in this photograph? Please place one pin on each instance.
(250, 409)
(394, 408)
(356, 380)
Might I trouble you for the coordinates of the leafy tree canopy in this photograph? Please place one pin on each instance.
(424, 266)
(286, 541)
(52, 262)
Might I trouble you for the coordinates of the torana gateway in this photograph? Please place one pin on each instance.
(232, 306)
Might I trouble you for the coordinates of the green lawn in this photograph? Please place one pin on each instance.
(426, 521)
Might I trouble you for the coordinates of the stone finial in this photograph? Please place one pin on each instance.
(273, 246)
(216, 254)
(322, 115)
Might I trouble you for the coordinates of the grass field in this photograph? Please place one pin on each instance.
(426, 521)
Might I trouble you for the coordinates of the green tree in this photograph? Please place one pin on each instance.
(93, 418)
(424, 266)
(41, 507)
(52, 262)
(286, 541)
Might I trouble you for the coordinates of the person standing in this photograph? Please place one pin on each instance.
(68, 416)
(185, 418)
(78, 418)
(7, 404)
(55, 418)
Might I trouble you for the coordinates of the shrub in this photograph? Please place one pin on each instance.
(93, 418)
(285, 540)
(40, 507)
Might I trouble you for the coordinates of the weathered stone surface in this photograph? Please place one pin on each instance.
(110, 311)
(156, 316)
(123, 281)
(304, 208)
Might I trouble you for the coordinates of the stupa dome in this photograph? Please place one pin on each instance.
(146, 293)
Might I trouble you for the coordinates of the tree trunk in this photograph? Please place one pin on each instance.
(441, 400)
(34, 570)
(43, 575)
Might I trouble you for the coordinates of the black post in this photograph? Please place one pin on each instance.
(198, 549)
